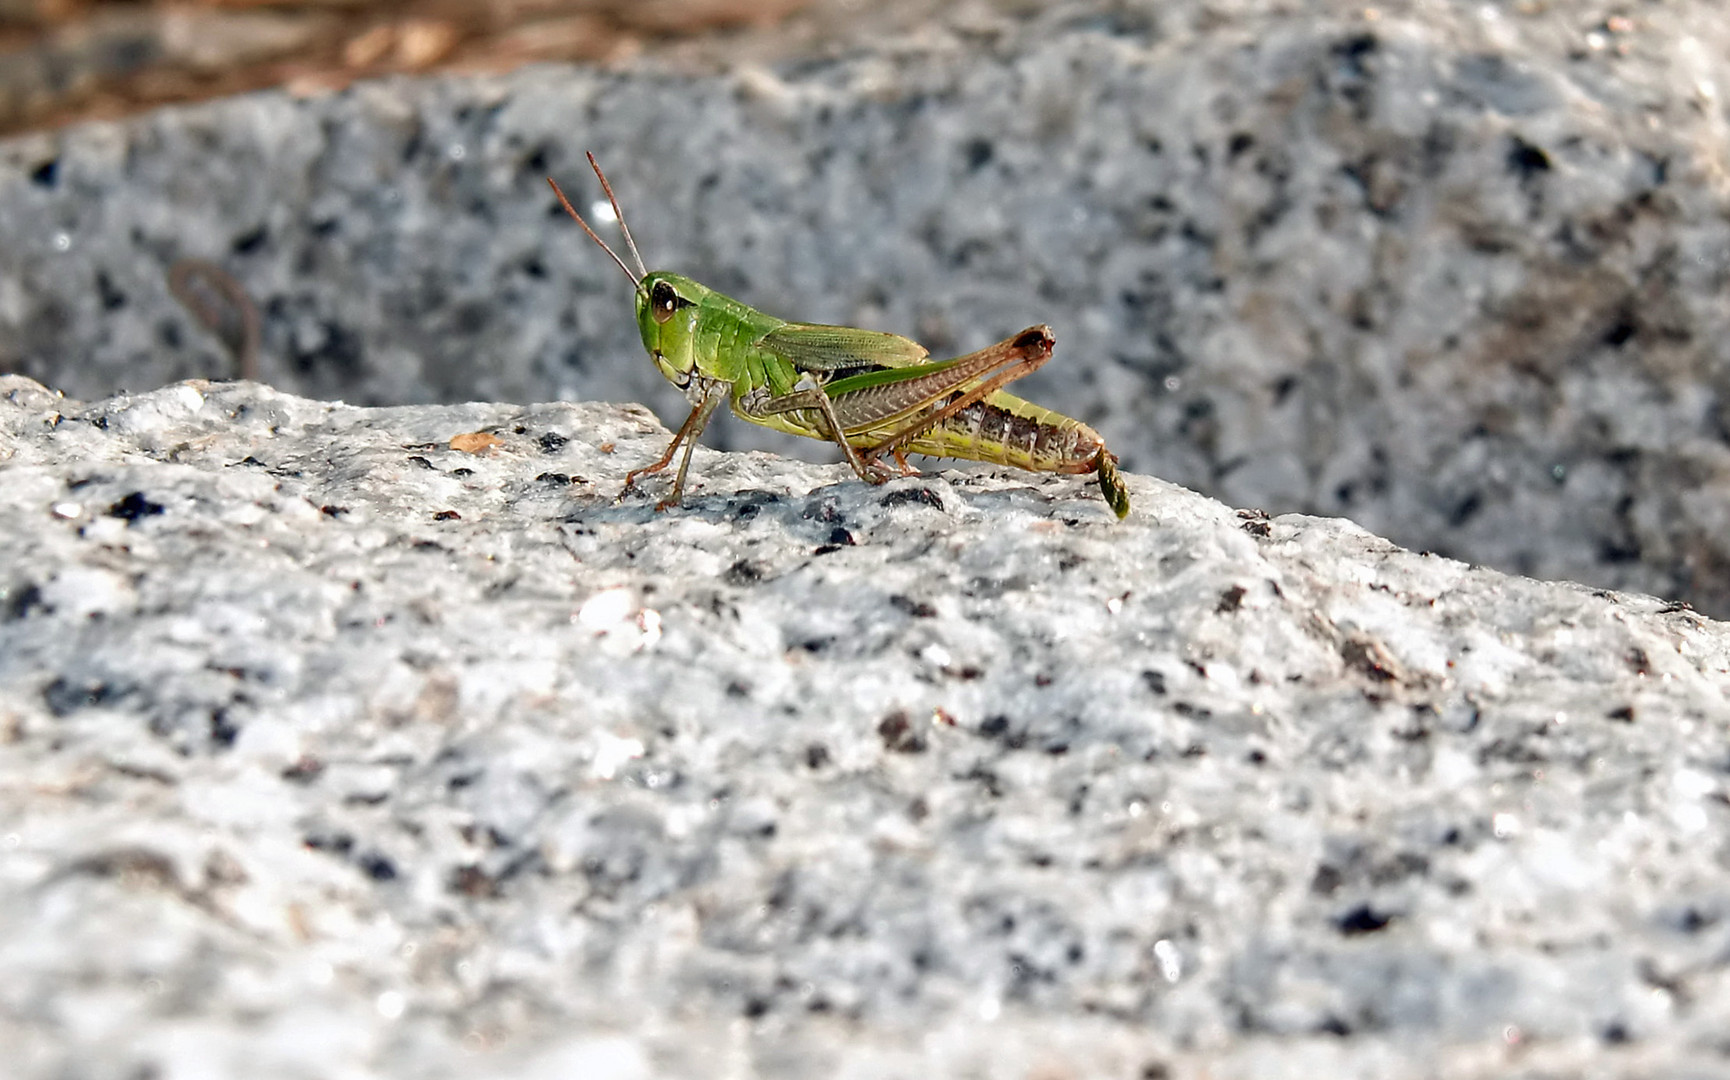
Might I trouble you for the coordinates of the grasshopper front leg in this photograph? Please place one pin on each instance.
(687, 434)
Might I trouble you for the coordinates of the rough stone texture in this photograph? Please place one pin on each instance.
(1456, 271)
(329, 750)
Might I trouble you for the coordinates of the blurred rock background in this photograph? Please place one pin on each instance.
(1454, 271)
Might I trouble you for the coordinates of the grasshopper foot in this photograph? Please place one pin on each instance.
(878, 473)
(631, 488)
(873, 471)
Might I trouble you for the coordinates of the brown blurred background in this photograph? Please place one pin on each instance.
(63, 61)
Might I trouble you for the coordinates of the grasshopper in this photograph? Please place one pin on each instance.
(873, 394)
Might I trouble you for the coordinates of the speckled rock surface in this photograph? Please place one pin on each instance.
(327, 749)
(1455, 271)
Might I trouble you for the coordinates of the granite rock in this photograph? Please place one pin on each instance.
(330, 749)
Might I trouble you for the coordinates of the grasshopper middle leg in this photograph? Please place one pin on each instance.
(816, 398)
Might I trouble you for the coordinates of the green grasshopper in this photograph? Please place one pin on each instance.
(871, 393)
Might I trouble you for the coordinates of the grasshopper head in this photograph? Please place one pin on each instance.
(668, 305)
(667, 310)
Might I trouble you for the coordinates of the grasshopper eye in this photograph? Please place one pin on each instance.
(664, 300)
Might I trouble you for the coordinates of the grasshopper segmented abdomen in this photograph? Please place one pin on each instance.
(1006, 430)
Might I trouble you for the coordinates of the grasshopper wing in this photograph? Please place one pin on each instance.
(813, 347)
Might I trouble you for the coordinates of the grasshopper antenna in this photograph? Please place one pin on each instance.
(620, 214)
(571, 210)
